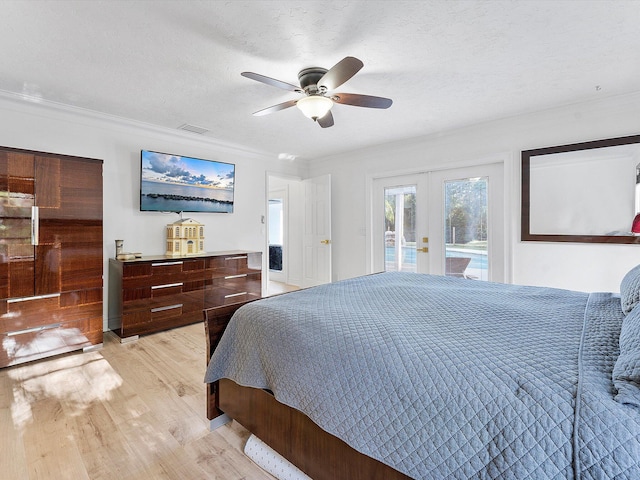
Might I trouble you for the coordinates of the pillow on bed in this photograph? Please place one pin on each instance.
(626, 371)
(630, 289)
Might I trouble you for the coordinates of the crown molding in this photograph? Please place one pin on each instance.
(36, 105)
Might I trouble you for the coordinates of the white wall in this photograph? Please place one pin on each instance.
(56, 129)
(586, 267)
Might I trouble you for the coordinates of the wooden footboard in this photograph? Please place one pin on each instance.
(288, 431)
(215, 322)
(294, 436)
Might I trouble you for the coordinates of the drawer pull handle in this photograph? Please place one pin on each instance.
(34, 329)
(168, 285)
(162, 309)
(231, 295)
(235, 276)
(160, 264)
(37, 297)
(244, 257)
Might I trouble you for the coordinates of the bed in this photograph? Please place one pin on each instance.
(397, 375)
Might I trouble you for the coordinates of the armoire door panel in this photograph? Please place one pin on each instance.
(4, 276)
(69, 231)
(18, 179)
(20, 186)
(77, 196)
(83, 257)
(21, 278)
(18, 164)
(15, 227)
(75, 279)
(48, 269)
(82, 297)
(81, 190)
(47, 183)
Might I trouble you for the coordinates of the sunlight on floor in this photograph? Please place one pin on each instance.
(274, 288)
(76, 381)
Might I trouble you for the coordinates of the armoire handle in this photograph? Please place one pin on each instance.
(35, 223)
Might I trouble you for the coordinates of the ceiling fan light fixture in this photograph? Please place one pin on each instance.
(315, 106)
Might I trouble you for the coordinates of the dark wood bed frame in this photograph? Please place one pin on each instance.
(289, 432)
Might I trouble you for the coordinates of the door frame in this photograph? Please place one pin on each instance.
(283, 275)
(507, 160)
(290, 236)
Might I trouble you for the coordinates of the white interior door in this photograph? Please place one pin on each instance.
(317, 231)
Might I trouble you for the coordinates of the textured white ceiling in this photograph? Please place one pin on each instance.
(445, 64)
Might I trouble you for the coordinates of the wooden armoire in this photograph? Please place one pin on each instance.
(51, 257)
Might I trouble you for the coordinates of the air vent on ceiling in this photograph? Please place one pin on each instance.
(193, 129)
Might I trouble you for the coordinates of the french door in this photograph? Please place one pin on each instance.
(445, 222)
(401, 224)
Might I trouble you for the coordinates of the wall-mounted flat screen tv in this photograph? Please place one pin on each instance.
(175, 183)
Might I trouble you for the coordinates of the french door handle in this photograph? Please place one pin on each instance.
(35, 223)
(423, 249)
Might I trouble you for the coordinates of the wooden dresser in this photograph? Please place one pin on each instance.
(150, 294)
(51, 259)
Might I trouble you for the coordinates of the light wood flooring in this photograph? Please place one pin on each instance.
(274, 288)
(128, 411)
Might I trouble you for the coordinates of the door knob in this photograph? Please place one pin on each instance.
(325, 242)
(423, 249)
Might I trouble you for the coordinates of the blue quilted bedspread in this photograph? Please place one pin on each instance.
(446, 378)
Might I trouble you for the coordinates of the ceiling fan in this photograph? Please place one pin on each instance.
(315, 84)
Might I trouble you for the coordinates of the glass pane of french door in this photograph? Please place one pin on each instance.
(466, 228)
(400, 229)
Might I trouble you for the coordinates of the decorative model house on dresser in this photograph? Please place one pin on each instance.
(185, 237)
(154, 293)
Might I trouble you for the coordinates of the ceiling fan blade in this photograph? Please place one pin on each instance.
(326, 121)
(272, 81)
(340, 73)
(361, 100)
(275, 108)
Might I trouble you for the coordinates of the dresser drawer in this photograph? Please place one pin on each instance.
(162, 273)
(133, 270)
(233, 289)
(227, 265)
(160, 269)
(234, 264)
(164, 298)
(161, 312)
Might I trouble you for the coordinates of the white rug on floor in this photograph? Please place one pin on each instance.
(271, 461)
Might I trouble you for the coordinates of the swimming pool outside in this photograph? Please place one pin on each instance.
(477, 268)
